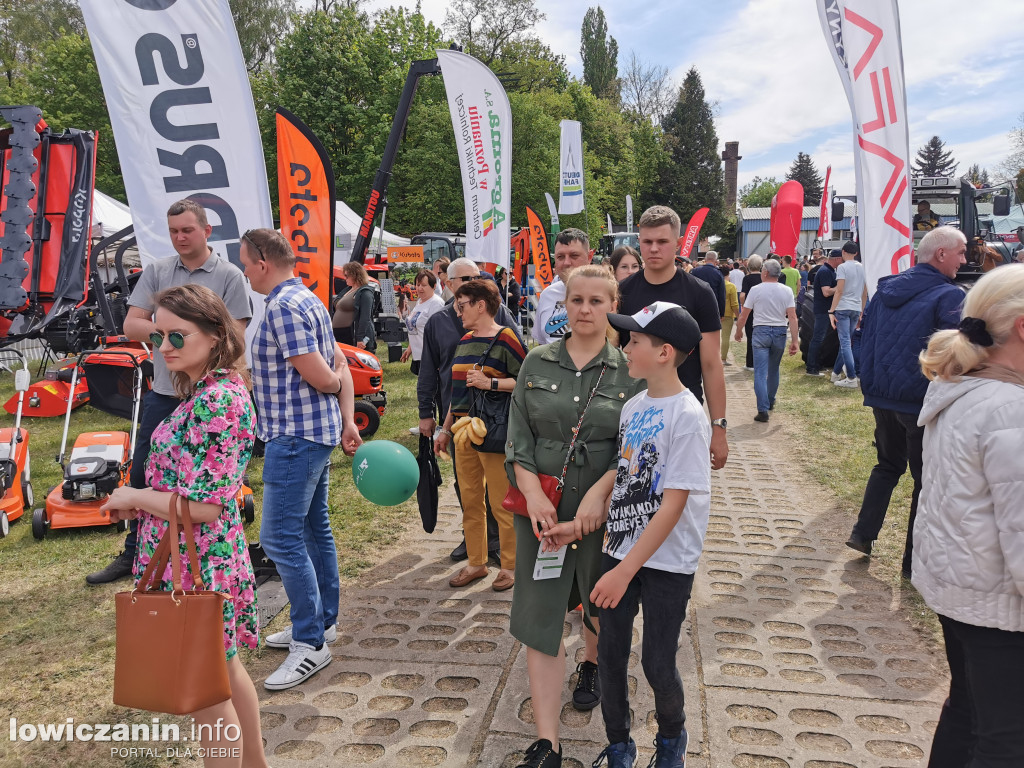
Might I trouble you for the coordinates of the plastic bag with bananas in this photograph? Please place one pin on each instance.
(468, 430)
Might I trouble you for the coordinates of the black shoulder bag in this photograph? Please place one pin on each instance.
(493, 409)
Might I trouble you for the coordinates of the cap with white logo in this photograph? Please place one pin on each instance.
(663, 319)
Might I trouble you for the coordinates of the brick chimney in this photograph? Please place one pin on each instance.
(731, 156)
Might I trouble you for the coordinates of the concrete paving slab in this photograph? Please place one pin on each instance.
(790, 729)
(514, 713)
(794, 656)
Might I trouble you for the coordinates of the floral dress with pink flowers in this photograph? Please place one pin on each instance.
(201, 451)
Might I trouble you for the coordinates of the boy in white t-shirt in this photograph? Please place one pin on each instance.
(655, 531)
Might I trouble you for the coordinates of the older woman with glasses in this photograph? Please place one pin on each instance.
(487, 360)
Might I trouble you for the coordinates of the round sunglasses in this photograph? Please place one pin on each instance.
(177, 338)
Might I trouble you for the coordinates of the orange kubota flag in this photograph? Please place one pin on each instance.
(542, 273)
(305, 182)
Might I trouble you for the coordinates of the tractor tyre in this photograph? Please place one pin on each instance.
(367, 419)
(5, 525)
(248, 508)
(39, 523)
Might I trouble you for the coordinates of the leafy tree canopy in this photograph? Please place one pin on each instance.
(803, 171)
(933, 159)
(600, 54)
(758, 192)
(691, 176)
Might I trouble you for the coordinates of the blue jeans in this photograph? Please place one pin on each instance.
(769, 343)
(296, 533)
(821, 329)
(664, 596)
(155, 408)
(846, 322)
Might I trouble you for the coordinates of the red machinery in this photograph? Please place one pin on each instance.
(15, 465)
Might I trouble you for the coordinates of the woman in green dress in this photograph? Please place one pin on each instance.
(552, 389)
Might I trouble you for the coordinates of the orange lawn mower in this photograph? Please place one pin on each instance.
(368, 381)
(15, 471)
(99, 461)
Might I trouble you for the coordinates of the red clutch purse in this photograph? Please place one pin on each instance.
(515, 502)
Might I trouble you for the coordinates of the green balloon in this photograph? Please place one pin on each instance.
(385, 472)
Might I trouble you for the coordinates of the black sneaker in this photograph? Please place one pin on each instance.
(540, 755)
(459, 553)
(762, 416)
(587, 693)
(864, 547)
(120, 568)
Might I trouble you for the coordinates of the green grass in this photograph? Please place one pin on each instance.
(836, 432)
(57, 633)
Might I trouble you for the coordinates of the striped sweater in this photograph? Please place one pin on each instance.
(503, 362)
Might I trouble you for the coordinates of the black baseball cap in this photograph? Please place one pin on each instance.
(667, 321)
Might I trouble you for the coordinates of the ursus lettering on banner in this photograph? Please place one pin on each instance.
(182, 115)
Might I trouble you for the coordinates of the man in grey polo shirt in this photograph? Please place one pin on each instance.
(195, 263)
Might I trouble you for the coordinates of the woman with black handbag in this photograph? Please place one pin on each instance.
(564, 424)
(484, 372)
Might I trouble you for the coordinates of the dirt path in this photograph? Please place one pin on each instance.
(794, 655)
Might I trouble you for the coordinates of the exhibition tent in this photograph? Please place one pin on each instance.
(346, 226)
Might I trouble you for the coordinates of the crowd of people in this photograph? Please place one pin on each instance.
(590, 480)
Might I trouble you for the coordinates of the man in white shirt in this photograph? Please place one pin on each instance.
(736, 277)
(551, 322)
(774, 307)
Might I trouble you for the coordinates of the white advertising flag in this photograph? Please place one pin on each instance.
(552, 210)
(482, 120)
(629, 213)
(864, 39)
(825, 210)
(570, 199)
(182, 114)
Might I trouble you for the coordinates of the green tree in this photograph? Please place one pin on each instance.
(758, 192)
(803, 170)
(978, 176)
(529, 65)
(64, 84)
(691, 178)
(933, 159)
(485, 27)
(600, 54)
(26, 26)
(260, 24)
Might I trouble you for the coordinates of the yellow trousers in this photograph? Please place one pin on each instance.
(481, 473)
(727, 324)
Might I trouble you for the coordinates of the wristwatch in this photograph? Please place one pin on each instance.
(720, 423)
(494, 385)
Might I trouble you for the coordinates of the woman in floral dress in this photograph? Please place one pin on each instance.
(201, 451)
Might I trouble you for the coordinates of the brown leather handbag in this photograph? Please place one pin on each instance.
(170, 645)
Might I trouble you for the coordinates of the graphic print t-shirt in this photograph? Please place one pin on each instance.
(552, 320)
(664, 442)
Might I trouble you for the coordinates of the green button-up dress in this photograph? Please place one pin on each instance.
(549, 397)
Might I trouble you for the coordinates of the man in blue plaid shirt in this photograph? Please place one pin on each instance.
(304, 394)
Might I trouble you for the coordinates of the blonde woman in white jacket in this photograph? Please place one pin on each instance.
(969, 534)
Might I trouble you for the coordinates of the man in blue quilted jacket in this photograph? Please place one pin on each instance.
(904, 312)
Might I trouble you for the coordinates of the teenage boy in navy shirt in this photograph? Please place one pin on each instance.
(660, 502)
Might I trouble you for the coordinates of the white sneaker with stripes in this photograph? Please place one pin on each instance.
(303, 662)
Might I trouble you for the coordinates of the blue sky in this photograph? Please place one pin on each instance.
(766, 66)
